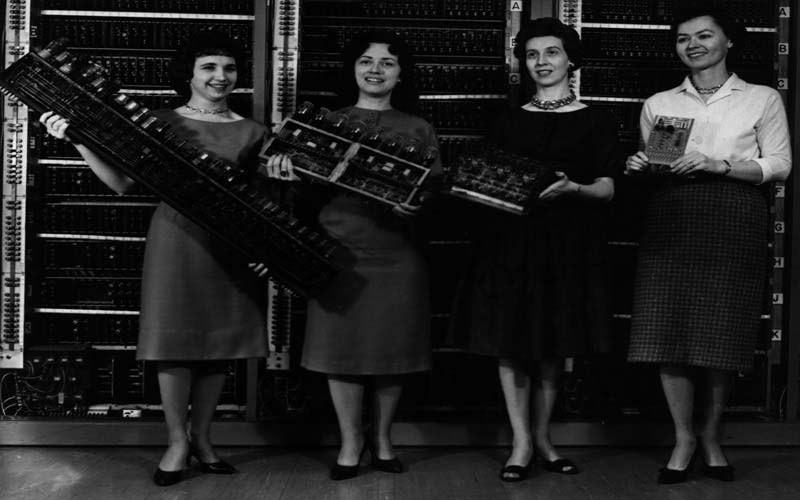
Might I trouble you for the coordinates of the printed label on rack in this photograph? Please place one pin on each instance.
(777, 333)
(784, 12)
(513, 78)
(777, 299)
(516, 7)
(778, 262)
(780, 190)
(780, 226)
(511, 42)
(783, 49)
(783, 83)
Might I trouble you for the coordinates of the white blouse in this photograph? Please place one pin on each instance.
(739, 122)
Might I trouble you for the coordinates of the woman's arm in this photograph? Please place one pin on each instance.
(601, 189)
(108, 174)
(772, 134)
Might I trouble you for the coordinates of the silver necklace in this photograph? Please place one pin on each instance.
(707, 90)
(554, 104)
(204, 111)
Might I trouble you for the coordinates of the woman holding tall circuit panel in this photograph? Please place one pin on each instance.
(703, 256)
(200, 306)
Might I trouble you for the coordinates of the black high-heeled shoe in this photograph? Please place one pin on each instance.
(672, 476)
(719, 472)
(218, 467)
(515, 473)
(675, 476)
(167, 478)
(341, 472)
(560, 465)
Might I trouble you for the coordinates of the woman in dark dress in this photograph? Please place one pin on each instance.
(703, 257)
(384, 332)
(200, 305)
(534, 293)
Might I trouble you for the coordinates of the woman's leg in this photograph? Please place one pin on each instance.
(717, 383)
(679, 391)
(386, 395)
(545, 392)
(174, 383)
(516, 385)
(347, 393)
(209, 377)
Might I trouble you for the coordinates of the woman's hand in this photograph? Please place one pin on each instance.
(280, 167)
(695, 162)
(636, 164)
(405, 210)
(55, 124)
(258, 268)
(559, 188)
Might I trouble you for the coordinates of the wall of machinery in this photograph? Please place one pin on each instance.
(72, 250)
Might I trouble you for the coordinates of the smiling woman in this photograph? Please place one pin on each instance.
(702, 260)
(377, 71)
(534, 292)
(383, 333)
(200, 306)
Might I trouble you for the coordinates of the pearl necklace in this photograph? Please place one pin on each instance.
(206, 111)
(707, 90)
(554, 104)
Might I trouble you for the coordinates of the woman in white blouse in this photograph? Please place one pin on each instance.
(703, 257)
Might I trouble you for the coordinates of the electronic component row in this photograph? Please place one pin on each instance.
(96, 219)
(90, 256)
(127, 34)
(95, 329)
(473, 116)
(173, 6)
(447, 9)
(425, 41)
(748, 12)
(66, 182)
(115, 293)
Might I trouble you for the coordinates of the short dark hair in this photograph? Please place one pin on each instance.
(735, 31)
(550, 26)
(404, 95)
(201, 43)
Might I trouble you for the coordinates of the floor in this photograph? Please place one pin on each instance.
(433, 473)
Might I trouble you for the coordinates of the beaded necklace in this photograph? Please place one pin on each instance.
(205, 111)
(707, 90)
(554, 104)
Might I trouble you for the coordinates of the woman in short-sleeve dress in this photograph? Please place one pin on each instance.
(200, 305)
(370, 339)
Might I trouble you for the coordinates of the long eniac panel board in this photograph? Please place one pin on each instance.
(73, 314)
(630, 55)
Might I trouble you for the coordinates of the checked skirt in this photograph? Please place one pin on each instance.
(701, 276)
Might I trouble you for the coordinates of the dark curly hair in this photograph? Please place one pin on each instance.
(550, 26)
(404, 95)
(736, 32)
(202, 43)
